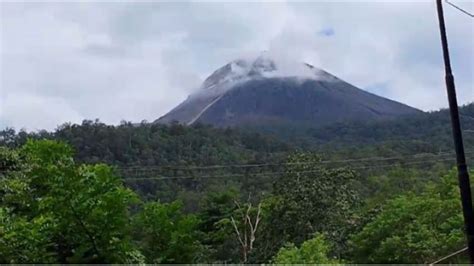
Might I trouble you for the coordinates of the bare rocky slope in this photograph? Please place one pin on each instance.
(263, 91)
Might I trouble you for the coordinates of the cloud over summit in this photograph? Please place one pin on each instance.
(71, 61)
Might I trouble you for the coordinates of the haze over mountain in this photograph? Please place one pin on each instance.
(268, 91)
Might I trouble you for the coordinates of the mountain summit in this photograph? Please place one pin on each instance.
(265, 91)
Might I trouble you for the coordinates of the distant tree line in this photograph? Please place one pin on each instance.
(95, 193)
(55, 210)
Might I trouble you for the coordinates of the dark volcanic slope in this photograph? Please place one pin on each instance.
(249, 93)
(277, 100)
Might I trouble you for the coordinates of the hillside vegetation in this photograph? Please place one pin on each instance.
(134, 193)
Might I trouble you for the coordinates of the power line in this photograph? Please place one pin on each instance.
(460, 9)
(280, 172)
(352, 160)
(273, 173)
(449, 256)
(364, 159)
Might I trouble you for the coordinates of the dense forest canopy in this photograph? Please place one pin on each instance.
(150, 193)
(156, 144)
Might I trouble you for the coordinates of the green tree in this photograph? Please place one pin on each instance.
(68, 213)
(308, 199)
(219, 239)
(245, 222)
(414, 228)
(314, 251)
(166, 235)
(25, 240)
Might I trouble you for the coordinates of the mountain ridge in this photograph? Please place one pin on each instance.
(263, 90)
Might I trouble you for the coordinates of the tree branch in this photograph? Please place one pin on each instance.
(237, 231)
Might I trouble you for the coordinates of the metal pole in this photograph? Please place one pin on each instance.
(463, 175)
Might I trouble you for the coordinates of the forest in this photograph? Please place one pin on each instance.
(378, 192)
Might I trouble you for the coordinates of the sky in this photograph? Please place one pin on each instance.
(68, 61)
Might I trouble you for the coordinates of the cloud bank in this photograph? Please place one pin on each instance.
(135, 61)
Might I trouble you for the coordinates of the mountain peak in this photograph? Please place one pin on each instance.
(268, 90)
(261, 66)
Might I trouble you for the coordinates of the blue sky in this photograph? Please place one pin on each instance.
(65, 62)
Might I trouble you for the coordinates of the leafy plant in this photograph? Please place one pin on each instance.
(166, 235)
(313, 251)
(414, 228)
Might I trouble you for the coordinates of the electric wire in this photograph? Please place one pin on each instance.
(365, 159)
(460, 9)
(449, 256)
(148, 170)
(282, 172)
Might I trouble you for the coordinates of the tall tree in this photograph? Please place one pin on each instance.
(166, 235)
(218, 237)
(68, 213)
(308, 199)
(315, 251)
(414, 228)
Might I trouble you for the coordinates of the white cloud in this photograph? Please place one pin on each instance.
(29, 109)
(136, 61)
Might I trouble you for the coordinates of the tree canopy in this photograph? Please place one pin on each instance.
(147, 193)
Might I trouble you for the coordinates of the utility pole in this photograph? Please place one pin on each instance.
(463, 175)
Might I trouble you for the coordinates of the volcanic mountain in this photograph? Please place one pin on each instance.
(264, 91)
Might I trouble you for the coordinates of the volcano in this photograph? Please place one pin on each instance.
(263, 91)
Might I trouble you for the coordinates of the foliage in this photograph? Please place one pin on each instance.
(148, 150)
(245, 222)
(218, 237)
(154, 144)
(56, 209)
(9, 160)
(25, 240)
(314, 251)
(166, 235)
(308, 199)
(376, 188)
(414, 228)
(61, 212)
(424, 132)
(146, 145)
